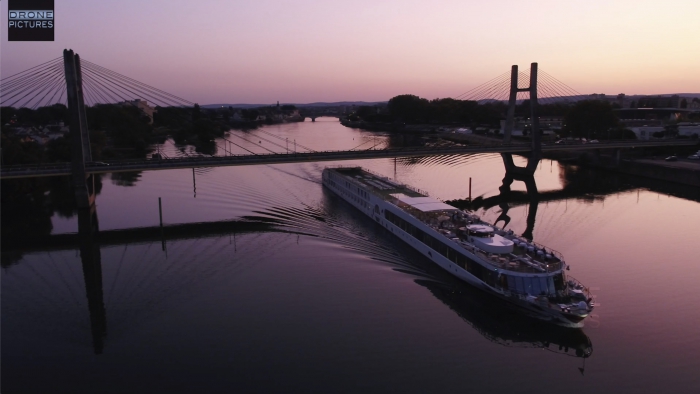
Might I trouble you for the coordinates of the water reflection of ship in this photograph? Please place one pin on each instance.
(506, 327)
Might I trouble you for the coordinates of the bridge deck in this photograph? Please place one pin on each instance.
(63, 169)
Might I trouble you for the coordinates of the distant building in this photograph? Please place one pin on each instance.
(143, 106)
(659, 102)
(685, 129)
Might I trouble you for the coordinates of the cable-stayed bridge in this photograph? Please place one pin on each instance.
(79, 83)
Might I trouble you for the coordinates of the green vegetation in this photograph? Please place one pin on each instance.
(592, 119)
(408, 108)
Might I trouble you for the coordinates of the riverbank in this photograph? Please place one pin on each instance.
(682, 172)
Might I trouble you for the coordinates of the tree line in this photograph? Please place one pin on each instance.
(586, 118)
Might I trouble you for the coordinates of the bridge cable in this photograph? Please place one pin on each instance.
(561, 83)
(298, 144)
(105, 90)
(115, 85)
(478, 87)
(55, 85)
(153, 97)
(240, 146)
(271, 151)
(489, 93)
(34, 88)
(61, 89)
(361, 144)
(27, 77)
(58, 81)
(30, 85)
(91, 92)
(24, 83)
(60, 58)
(561, 88)
(551, 89)
(137, 82)
(482, 89)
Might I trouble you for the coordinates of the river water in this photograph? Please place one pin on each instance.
(320, 299)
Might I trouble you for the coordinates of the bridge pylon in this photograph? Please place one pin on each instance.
(536, 139)
(83, 184)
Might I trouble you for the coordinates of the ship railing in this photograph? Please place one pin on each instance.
(537, 246)
(574, 283)
(395, 182)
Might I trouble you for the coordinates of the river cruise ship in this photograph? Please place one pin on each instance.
(525, 274)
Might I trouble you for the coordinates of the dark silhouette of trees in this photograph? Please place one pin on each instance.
(590, 119)
(408, 108)
(196, 113)
(124, 126)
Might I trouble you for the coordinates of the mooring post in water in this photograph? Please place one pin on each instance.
(194, 184)
(162, 232)
(470, 189)
(160, 213)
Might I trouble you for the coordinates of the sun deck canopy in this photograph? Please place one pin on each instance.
(424, 204)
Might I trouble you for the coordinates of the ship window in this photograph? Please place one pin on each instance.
(511, 283)
(490, 277)
(558, 281)
(452, 255)
(503, 281)
(461, 260)
(519, 286)
(534, 286)
(440, 247)
(475, 269)
(543, 285)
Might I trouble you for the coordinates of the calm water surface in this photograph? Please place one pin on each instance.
(322, 300)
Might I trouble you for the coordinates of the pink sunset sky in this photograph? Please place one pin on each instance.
(264, 51)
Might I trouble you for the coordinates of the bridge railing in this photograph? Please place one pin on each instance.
(310, 156)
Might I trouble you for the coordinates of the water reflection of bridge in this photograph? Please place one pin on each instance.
(579, 183)
(90, 240)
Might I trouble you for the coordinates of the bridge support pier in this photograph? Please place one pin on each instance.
(83, 184)
(533, 194)
(536, 139)
(91, 260)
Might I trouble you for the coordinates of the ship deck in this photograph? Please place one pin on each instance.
(526, 257)
(378, 184)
